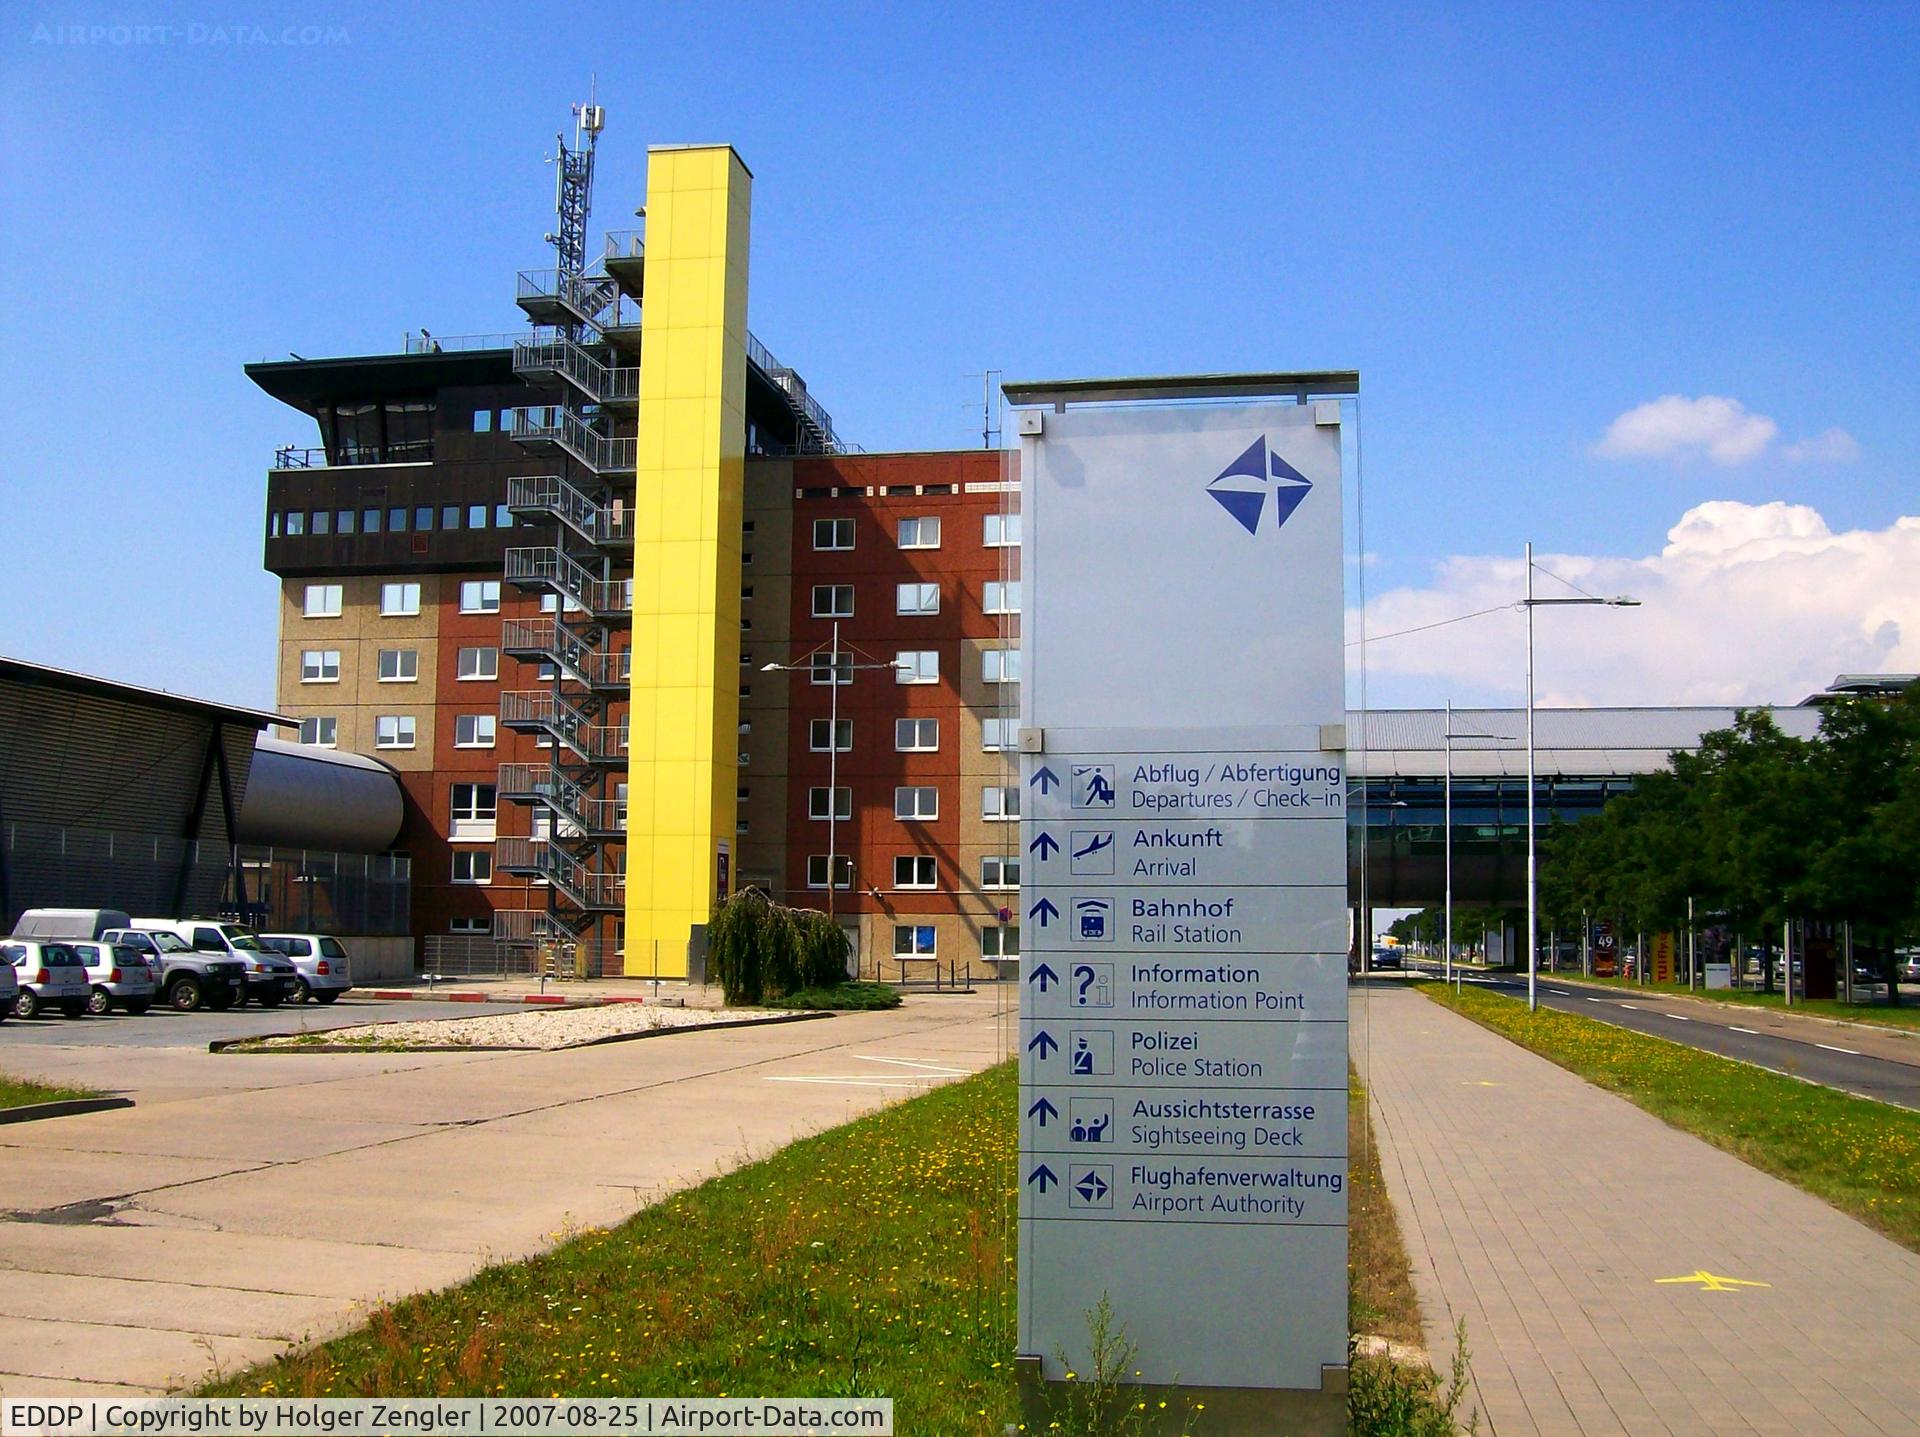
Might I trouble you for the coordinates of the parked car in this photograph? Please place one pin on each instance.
(48, 973)
(63, 924)
(1908, 967)
(1387, 958)
(119, 978)
(187, 981)
(325, 970)
(9, 991)
(269, 978)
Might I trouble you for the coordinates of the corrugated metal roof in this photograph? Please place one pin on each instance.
(27, 672)
(1597, 742)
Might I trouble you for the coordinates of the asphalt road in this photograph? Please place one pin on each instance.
(164, 1028)
(1826, 1060)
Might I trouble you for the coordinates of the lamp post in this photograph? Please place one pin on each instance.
(1447, 936)
(1530, 603)
(834, 670)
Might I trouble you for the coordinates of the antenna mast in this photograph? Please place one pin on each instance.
(573, 186)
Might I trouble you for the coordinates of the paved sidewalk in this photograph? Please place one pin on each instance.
(1545, 1212)
(251, 1202)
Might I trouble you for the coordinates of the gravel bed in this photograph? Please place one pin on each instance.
(540, 1028)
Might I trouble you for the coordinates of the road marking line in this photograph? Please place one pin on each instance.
(936, 1069)
(1750, 1032)
(857, 1082)
(1561, 992)
(1634, 1006)
(1850, 1052)
(1591, 999)
(1676, 1017)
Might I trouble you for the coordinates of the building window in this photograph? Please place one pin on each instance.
(918, 599)
(842, 804)
(916, 735)
(343, 522)
(998, 804)
(1000, 666)
(920, 533)
(833, 533)
(917, 666)
(474, 809)
(396, 521)
(423, 519)
(1002, 531)
(914, 870)
(323, 601)
(829, 669)
(369, 521)
(322, 522)
(477, 664)
(483, 421)
(817, 870)
(321, 731)
(999, 871)
(915, 940)
(470, 926)
(273, 524)
(473, 730)
(399, 666)
(399, 599)
(480, 596)
(320, 666)
(296, 523)
(997, 943)
(502, 517)
(1001, 598)
(472, 865)
(449, 516)
(833, 601)
(476, 516)
(842, 735)
(1000, 733)
(916, 804)
(393, 731)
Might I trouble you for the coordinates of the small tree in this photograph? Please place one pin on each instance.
(759, 949)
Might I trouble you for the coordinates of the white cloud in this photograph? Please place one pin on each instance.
(1835, 446)
(1676, 427)
(1746, 603)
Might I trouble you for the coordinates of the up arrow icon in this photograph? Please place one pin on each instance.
(1044, 911)
(1046, 778)
(1042, 1111)
(1043, 1043)
(1046, 845)
(1043, 1176)
(1043, 975)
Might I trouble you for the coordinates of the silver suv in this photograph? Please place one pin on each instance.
(270, 978)
(48, 973)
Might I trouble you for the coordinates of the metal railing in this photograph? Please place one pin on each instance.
(624, 244)
(550, 424)
(584, 888)
(596, 668)
(605, 524)
(603, 598)
(583, 814)
(595, 742)
(549, 352)
(586, 296)
(425, 343)
(806, 408)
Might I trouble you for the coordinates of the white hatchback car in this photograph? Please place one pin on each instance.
(119, 976)
(325, 970)
(48, 973)
(9, 990)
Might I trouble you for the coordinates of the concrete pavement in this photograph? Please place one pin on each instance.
(248, 1203)
(1553, 1217)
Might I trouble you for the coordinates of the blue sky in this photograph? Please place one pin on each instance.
(1519, 222)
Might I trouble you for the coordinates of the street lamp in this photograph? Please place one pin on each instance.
(1530, 603)
(834, 670)
(1447, 936)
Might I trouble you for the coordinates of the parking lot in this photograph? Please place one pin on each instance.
(164, 1028)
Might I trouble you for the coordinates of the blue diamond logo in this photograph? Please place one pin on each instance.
(1243, 487)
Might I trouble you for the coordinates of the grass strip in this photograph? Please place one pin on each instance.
(1872, 1013)
(876, 1259)
(21, 1092)
(1380, 1296)
(1861, 1156)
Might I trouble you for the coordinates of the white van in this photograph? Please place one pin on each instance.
(58, 925)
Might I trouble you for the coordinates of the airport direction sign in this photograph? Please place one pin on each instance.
(1183, 1043)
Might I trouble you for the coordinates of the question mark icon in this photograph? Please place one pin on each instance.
(1085, 974)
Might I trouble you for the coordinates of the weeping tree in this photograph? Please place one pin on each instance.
(759, 949)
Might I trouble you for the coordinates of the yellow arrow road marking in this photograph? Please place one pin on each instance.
(1711, 1283)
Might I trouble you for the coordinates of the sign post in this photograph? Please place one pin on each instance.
(1184, 995)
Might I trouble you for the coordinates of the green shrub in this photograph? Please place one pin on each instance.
(758, 949)
(841, 997)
